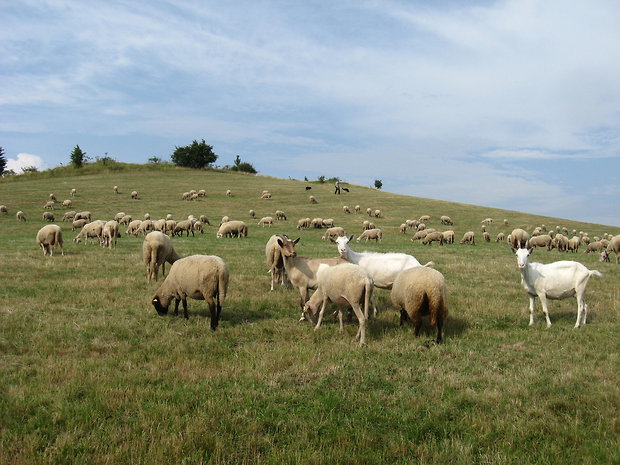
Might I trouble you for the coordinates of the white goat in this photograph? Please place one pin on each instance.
(555, 281)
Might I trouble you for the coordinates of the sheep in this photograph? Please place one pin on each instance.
(303, 223)
(301, 271)
(252, 214)
(49, 205)
(232, 229)
(145, 227)
(48, 237)
(331, 233)
(20, 215)
(412, 224)
(185, 196)
(115, 188)
(561, 242)
(544, 240)
(328, 223)
(345, 209)
(500, 237)
(86, 215)
(119, 216)
(202, 193)
(265, 195)
(595, 246)
(573, 244)
(147, 216)
(403, 228)
(225, 219)
(126, 220)
(93, 229)
(468, 238)
(434, 236)
(420, 227)
(375, 234)
(184, 225)
(78, 224)
(614, 246)
(316, 223)
(159, 225)
(518, 238)
(52, 198)
(73, 192)
(418, 292)
(555, 281)
(275, 262)
(347, 285)
(312, 199)
(48, 216)
(266, 220)
(369, 212)
(197, 227)
(424, 218)
(486, 237)
(487, 220)
(506, 223)
(483, 228)
(4, 209)
(446, 220)
(132, 228)
(228, 193)
(357, 209)
(377, 214)
(110, 233)
(419, 235)
(169, 228)
(200, 277)
(67, 203)
(134, 195)
(157, 249)
(69, 216)
(280, 215)
(448, 237)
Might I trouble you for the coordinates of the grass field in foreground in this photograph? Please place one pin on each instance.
(89, 373)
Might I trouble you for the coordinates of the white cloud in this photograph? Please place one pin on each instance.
(24, 160)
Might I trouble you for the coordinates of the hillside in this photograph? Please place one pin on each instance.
(91, 374)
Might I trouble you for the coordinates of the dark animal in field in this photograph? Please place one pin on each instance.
(308, 188)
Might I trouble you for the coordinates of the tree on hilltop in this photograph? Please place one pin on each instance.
(196, 155)
(243, 166)
(2, 161)
(78, 156)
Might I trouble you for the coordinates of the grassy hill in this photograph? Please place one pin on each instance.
(89, 373)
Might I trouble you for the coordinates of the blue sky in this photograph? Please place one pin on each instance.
(509, 104)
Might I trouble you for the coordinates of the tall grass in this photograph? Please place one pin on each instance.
(89, 373)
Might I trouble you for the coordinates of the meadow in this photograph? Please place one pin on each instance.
(89, 373)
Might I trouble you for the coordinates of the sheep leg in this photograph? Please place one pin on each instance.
(176, 306)
(214, 314)
(543, 301)
(340, 318)
(403, 317)
(532, 301)
(439, 339)
(185, 314)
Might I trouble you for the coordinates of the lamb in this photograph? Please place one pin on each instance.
(518, 238)
(252, 214)
(448, 237)
(347, 285)
(375, 234)
(20, 215)
(157, 249)
(275, 262)
(266, 220)
(446, 220)
(48, 216)
(468, 238)
(418, 292)
(48, 237)
(110, 233)
(331, 233)
(301, 271)
(78, 224)
(4, 210)
(543, 240)
(555, 281)
(73, 192)
(345, 209)
(312, 199)
(93, 229)
(614, 246)
(134, 195)
(233, 229)
(184, 225)
(200, 277)
(434, 236)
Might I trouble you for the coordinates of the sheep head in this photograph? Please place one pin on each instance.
(161, 305)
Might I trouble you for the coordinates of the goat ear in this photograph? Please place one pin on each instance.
(279, 241)
(296, 240)
(513, 250)
(530, 250)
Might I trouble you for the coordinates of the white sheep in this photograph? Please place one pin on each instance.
(334, 232)
(403, 228)
(487, 220)
(157, 249)
(357, 209)
(573, 244)
(312, 199)
(377, 214)
(67, 203)
(145, 227)
(252, 214)
(424, 218)
(375, 234)
(110, 233)
(4, 209)
(266, 220)
(486, 237)
(265, 195)
(133, 227)
(119, 216)
(48, 237)
(115, 188)
(419, 235)
(200, 277)
(126, 220)
(448, 237)
(614, 246)
(518, 238)
(434, 236)
(346, 285)
(159, 225)
(197, 227)
(446, 220)
(345, 209)
(86, 215)
(73, 192)
(369, 211)
(69, 216)
(93, 229)
(20, 215)
(134, 195)
(184, 225)
(544, 240)
(303, 223)
(228, 193)
(233, 229)
(328, 223)
(500, 237)
(49, 205)
(48, 216)
(316, 223)
(225, 219)
(78, 224)
(468, 238)
(555, 281)
(418, 292)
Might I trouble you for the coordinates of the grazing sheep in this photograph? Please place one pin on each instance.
(434, 236)
(317, 223)
(52, 198)
(328, 223)
(446, 220)
(346, 285)
(110, 233)
(544, 240)
(573, 244)
(448, 237)
(614, 246)
(303, 223)
(48, 216)
(228, 193)
(169, 217)
(204, 220)
(506, 224)
(252, 214)
(67, 203)
(468, 238)
(486, 237)
(375, 234)
(159, 225)
(93, 229)
(266, 220)
(334, 232)
(377, 214)
(126, 220)
(145, 227)
(487, 220)
(418, 292)
(265, 195)
(420, 227)
(197, 227)
(595, 246)
(78, 224)
(86, 215)
(73, 192)
(20, 216)
(4, 210)
(119, 216)
(518, 238)
(147, 216)
(412, 224)
(403, 228)
(157, 249)
(424, 218)
(134, 195)
(200, 277)
(555, 281)
(169, 228)
(69, 216)
(312, 199)
(483, 228)
(280, 215)
(419, 235)
(500, 237)
(369, 212)
(561, 242)
(115, 189)
(133, 227)
(184, 225)
(357, 209)
(49, 205)
(233, 229)
(275, 262)
(202, 193)
(225, 219)
(345, 209)
(48, 237)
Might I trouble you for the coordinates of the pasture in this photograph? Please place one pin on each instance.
(89, 373)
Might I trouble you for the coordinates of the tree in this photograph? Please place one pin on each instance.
(2, 161)
(196, 155)
(378, 183)
(243, 166)
(78, 156)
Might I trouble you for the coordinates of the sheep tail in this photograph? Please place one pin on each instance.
(430, 264)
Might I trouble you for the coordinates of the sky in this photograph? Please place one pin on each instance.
(510, 104)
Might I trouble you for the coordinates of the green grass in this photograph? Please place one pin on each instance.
(89, 373)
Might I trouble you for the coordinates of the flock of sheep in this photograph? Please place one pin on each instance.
(348, 280)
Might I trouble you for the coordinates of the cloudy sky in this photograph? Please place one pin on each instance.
(509, 104)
